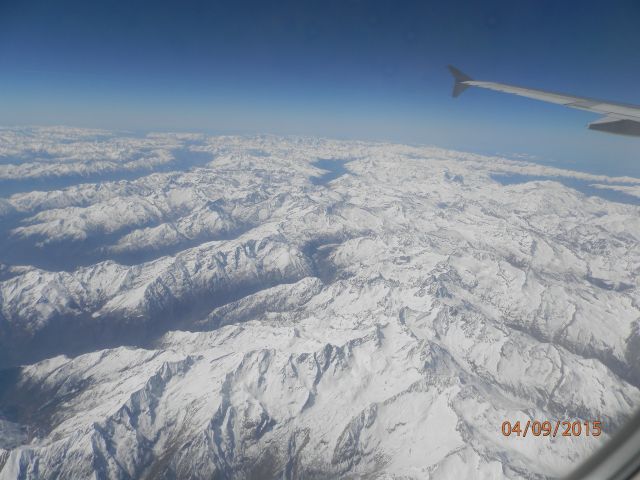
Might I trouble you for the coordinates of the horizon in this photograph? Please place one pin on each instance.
(373, 71)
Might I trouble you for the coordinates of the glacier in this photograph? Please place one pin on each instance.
(291, 307)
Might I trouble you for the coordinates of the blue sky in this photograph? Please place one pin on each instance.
(345, 69)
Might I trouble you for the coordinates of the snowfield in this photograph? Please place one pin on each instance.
(220, 307)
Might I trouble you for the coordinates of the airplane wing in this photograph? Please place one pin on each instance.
(619, 118)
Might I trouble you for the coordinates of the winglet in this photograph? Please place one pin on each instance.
(460, 78)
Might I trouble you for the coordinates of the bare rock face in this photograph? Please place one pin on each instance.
(184, 306)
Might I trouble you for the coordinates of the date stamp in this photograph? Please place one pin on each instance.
(546, 428)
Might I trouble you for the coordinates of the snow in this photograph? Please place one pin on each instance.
(238, 319)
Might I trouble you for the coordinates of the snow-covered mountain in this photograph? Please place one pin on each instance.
(224, 307)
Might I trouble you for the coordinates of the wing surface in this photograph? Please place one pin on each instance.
(619, 118)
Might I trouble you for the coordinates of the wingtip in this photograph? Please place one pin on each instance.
(459, 86)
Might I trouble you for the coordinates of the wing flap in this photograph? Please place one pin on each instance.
(618, 126)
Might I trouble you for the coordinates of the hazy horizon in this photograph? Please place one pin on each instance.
(347, 70)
